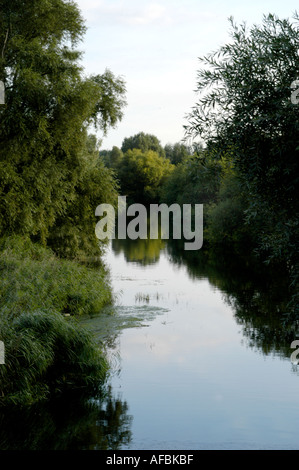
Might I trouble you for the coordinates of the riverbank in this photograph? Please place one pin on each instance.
(47, 352)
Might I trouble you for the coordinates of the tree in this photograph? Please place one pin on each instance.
(111, 158)
(73, 232)
(177, 152)
(142, 175)
(49, 107)
(245, 107)
(197, 180)
(143, 142)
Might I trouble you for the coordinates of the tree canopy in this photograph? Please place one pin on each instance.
(143, 142)
(245, 108)
(49, 107)
(142, 175)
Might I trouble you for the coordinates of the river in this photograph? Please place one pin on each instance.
(198, 358)
(197, 372)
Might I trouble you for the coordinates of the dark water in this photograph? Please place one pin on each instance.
(199, 361)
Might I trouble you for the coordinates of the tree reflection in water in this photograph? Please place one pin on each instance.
(68, 424)
(258, 295)
(144, 252)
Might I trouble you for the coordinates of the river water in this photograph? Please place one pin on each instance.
(199, 360)
(207, 366)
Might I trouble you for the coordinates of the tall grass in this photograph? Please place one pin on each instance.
(46, 352)
(32, 277)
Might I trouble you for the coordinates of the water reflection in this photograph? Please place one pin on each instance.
(144, 252)
(67, 424)
(218, 363)
(257, 295)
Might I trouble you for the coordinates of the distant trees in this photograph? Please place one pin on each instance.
(195, 180)
(142, 174)
(177, 152)
(143, 142)
(111, 158)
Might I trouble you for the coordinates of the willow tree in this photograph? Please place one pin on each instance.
(248, 106)
(49, 106)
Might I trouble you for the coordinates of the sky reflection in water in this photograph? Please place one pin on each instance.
(189, 377)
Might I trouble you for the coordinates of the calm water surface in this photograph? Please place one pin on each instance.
(195, 375)
(198, 361)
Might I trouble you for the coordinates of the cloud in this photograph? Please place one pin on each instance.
(120, 12)
(149, 14)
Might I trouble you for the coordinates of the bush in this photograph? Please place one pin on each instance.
(226, 220)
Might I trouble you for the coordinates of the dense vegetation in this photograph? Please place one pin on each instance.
(245, 167)
(51, 180)
(45, 351)
(53, 175)
(245, 110)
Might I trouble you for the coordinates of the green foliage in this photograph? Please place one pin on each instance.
(226, 226)
(51, 181)
(46, 355)
(109, 109)
(143, 142)
(46, 351)
(176, 153)
(194, 181)
(32, 278)
(112, 158)
(49, 107)
(142, 175)
(73, 234)
(245, 105)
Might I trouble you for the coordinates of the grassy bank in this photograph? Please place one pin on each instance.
(46, 351)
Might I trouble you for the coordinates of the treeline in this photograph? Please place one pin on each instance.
(53, 175)
(149, 173)
(247, 173)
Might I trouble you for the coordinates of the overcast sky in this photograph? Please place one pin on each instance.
(154, 46)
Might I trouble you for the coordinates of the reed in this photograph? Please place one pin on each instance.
(47, 352)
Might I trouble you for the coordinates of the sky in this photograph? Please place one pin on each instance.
(154, 46)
